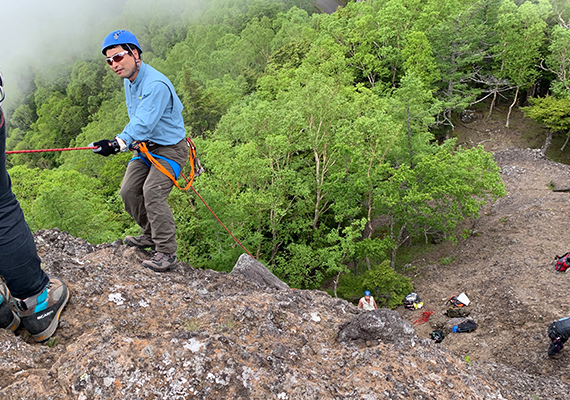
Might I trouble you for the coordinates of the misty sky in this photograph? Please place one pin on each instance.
(37, 33)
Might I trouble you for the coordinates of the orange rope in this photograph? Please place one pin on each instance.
(214, 214)
(143, 149)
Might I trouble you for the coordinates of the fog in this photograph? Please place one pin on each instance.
(35, 34)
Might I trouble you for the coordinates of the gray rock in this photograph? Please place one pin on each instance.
(560, 185)
(379, 325)
(252, 270)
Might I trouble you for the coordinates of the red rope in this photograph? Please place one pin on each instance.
(214, 214)
(46, 150)
(193, 150)
(423, 319)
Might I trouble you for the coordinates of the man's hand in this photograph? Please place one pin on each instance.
(106, 147)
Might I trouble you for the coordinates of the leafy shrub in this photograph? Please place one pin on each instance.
(388, 287)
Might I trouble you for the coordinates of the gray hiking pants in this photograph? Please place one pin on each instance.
(145, 190)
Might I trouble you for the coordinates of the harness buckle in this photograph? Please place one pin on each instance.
(137, 144)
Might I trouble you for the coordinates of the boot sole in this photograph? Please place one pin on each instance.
(15, 323)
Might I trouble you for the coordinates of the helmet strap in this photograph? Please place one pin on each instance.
(137, 61)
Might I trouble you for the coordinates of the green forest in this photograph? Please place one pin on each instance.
(327, 139)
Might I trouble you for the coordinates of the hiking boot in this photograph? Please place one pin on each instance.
(8, 318)
(142, 242)
(40, 313)
(161, 262)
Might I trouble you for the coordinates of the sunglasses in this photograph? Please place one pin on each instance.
(117, 57)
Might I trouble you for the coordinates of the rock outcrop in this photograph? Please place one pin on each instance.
(131, 333)
(380, 325)
(252, 270)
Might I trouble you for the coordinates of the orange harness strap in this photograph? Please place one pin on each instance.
(141, 146)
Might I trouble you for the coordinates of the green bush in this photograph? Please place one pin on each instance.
(388, 287)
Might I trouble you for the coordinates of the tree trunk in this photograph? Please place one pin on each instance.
(492, 103)
(495, 91)
(532, 91)
(336, 284)
(511, 107)
(399, 242)
(409, 122)
(369, 222)
(546, 143)
(565, 142)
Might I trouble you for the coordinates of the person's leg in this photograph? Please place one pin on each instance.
(133, 196)
(556, 340)
(555, 347)
(20, 266)
(156, 189)
(38, 299)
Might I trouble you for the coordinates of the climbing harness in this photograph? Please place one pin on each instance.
(149, 158)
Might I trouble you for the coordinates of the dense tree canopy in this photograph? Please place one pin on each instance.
(316, 130)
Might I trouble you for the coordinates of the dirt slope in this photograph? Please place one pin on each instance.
(506, 266)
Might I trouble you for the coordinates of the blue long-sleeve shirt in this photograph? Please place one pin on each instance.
(155, 111)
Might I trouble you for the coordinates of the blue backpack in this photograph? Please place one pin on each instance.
(465, 326)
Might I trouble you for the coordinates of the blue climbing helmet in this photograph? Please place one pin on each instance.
(367, 293)
(119, 37)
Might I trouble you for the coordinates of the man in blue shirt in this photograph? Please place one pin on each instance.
(155, 118)
(27, 294)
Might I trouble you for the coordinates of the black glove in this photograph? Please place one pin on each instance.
(106, 147)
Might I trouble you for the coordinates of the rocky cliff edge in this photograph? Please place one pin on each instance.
(131, 333)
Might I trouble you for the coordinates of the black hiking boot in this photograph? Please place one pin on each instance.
(161, 262)
(8, 319)
(40, 313)
(142, 242)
